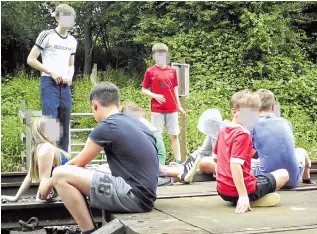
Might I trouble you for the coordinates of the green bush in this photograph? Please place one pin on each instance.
(295, 96)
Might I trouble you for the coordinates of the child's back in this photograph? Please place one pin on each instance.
(274, 141)
(234, 144)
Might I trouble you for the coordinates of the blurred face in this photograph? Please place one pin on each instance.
(160, 57)
(66, 20)
(245, 116)
(53, 130)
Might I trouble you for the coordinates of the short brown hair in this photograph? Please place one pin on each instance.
(267, 99)
(106, 93)
(159, 47)
(245, 99)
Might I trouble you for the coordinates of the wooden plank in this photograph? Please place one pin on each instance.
(77, 152)
(81, 129)
(183, 195)
(183, 117)
(81, 114)
(276, 230)
(35, 113)
(23, 138)
(93, 75)
(22, 117)
(313, 170)
(78, 144)
(40, 231)
(113, 227)
(155, 222)
(212, 213)
(28, 139)
(99, 161)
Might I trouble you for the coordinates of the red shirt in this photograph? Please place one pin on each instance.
(234, 143)
(162, 81)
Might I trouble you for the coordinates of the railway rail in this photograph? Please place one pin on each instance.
(11, 181)
(12, 213)
(58, 215)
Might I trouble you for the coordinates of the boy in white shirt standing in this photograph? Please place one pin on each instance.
(57, 49)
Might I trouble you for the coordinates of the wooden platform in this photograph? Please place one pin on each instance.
(184, 212)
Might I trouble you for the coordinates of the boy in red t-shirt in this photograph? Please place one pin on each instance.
(162, 80)
(233, 152)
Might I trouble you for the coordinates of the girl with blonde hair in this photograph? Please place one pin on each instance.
(45, 155)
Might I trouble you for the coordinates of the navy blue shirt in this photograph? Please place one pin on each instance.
(131, 154)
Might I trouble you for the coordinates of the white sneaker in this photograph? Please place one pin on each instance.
(190, 168)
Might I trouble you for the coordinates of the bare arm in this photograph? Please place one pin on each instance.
(177, 97)
(23, 188)
(159, 97)
(90, 151)
(179, 106)
(45, 165)
(71, 69)
(34, 63)
(237, 176)
(148, 93)
(243, 203)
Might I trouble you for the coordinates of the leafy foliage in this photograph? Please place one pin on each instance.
(293, 109)
(230, 46)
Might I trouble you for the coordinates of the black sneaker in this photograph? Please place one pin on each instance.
(190, 167)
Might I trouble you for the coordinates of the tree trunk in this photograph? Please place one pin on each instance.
(88, 43)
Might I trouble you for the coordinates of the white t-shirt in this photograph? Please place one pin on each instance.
(56, 51)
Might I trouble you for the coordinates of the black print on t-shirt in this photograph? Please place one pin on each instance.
(105, 185)
(164, 85)
(60, 47)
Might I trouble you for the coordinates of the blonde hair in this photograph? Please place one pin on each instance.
(39, 138)
(267, 99)
(65, 8)
(245, 99)
(159, 46)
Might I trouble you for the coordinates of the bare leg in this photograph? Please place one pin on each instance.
(176, 179)
(176, 147)
(306, 174)
(173, 171)
(281, 177)
(207, 165)
(70, 182)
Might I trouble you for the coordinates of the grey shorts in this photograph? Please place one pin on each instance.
(164, 180)
(169, 119)
(111, 193)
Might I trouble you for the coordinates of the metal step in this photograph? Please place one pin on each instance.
(77, 152)
(78, 144)
(81, 114)
(99, 160)
(81, 129)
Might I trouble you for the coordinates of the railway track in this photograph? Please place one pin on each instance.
(11, 181)
(58, 215)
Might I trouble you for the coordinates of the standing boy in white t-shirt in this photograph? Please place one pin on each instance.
(57, 49)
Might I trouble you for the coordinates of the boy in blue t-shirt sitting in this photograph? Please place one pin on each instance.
(274, 142)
